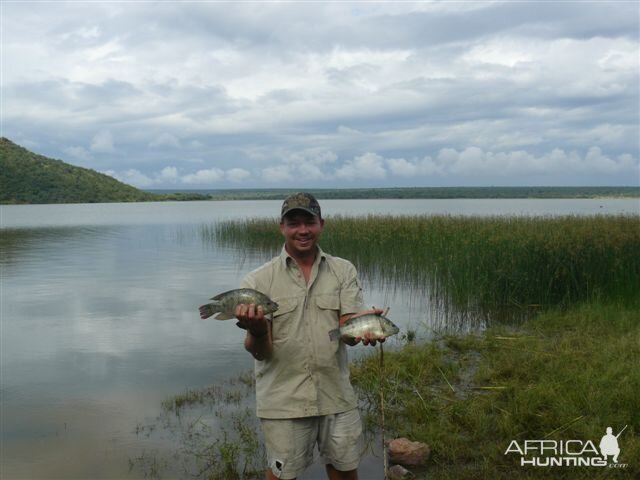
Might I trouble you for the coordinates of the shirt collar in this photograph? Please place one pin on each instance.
(284, 256)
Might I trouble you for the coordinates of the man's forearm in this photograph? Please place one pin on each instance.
(260, 347)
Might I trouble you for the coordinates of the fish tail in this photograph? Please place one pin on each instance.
(207, 310)
(334, 334)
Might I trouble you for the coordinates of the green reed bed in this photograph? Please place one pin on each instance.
(565, 375)
(476, 263)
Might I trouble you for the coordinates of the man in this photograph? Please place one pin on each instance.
(303, 392)
(609, 445)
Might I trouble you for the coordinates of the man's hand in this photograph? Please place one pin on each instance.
(252, 319)
(368, 338)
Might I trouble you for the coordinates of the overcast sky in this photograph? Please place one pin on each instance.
(326, 94)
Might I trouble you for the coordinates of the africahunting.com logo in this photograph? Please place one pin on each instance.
(569, 453)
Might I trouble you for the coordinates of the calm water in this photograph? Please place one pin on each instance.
(99, 320)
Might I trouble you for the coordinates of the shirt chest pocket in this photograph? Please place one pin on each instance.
(329, 307)
(282, 324)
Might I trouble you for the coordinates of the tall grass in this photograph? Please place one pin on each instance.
(477, 263)
(564, 375)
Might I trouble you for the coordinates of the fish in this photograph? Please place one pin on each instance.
(224, 304)
(372, 325)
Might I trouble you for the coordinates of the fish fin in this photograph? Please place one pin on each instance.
(207, 310)
(220, 295)
(334, 334)
(224, 316)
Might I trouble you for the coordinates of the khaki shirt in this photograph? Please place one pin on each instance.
(308, 374)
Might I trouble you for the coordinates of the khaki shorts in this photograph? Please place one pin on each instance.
(290, 442)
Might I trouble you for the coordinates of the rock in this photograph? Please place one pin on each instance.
(398, 472)
(408, 453)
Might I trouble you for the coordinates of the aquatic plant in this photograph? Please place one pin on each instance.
(215, 430)
(563, 375)
(475, 264)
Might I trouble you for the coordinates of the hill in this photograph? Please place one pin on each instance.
(26, 177)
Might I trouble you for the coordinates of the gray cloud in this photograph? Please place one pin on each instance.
(102, 142)
(327, 94)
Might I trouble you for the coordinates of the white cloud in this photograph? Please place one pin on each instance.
(207, 176)
(168, 174)
(79, 153)
(105, 51)
(102, 142)
(318, 156)
(413, 168)
(341, 57)
(277, 173)
(348, 131)
(367, 166)
(598, 162)
(131, 177)
(170, 177)
(86, 33)
(470, 160)
(309, 171)
(307, 164)
(473, 161)
(237, 174)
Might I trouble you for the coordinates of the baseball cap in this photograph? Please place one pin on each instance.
(301, 201)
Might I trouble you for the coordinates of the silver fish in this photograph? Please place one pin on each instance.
(225, 303)
(370, 324)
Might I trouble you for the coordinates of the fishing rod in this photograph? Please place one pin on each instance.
(617, 434)
(385, 460)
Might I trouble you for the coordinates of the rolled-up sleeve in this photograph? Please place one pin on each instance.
(351, 300)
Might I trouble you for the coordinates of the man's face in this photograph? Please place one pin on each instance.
(301, 232)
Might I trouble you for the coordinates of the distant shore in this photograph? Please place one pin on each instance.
(405, 193)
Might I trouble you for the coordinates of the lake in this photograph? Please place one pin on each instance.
(99, 321)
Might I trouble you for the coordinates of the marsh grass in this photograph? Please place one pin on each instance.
(490, 267)
(230, 392)
(564, 375)
(215, 431)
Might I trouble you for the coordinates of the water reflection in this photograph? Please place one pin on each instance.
(35, 243)
(93, 317)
